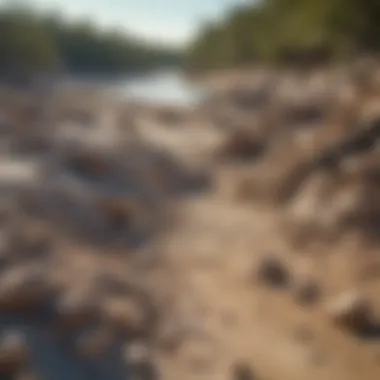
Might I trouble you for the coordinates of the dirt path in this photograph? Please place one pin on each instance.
(214, 251)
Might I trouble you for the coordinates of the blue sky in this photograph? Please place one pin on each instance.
(173, 21)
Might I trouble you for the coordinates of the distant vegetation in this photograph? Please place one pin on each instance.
(283, 31)
(31, 42)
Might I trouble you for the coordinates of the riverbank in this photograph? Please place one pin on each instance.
(237, 239)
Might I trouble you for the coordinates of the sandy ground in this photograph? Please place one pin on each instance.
(214, 252)
(219, 316)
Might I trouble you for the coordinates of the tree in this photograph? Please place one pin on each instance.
(290, 31)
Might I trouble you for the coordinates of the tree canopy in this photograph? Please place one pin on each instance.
(30, 41)
(288, 31)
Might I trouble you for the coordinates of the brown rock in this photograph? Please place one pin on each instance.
(138, 359)
(87, 163)
(273, 272)
(24, 287)
(307, 293)
(351, 311)
(136, 352)
(75, 309)
(242, 371)
(126, 315)
(242, 145)
(119, 211)
(13, 350)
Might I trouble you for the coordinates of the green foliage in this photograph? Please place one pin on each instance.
(31, 42)
(289, 31)
(24, 44)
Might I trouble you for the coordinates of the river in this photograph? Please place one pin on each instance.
(167, 86)
(162, 87)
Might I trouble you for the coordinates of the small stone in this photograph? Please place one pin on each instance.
(351, 311)
(24, 287)
(273, 273)
(13, 350)
(120, 212)
(242, 145)
(136, 352)
(126, 315)
(307, 293)
(170, 338)
(242, 372)
(73, 310)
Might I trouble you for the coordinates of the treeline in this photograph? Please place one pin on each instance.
(289, 31)
(32, 42)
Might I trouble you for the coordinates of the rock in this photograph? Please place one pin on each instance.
(171, 337)
(273, 273)
(75, 309)
(305, 114)
(13, 350)
(248, 99)
(351, 311)
(25, 287)
(307, 293)
(87, 164)
(242, 145)
(120, 212)
(94, 342)
(32, 240)
(125, 314)
(242, 372)
(136, 352)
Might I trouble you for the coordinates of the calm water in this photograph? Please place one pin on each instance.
(162, 87)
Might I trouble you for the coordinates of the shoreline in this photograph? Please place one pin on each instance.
(172, 233)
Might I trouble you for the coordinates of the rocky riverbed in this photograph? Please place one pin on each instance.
(238, 240)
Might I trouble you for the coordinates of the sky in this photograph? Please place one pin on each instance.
(169, 21)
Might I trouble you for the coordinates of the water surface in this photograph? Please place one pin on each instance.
(166, 87)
